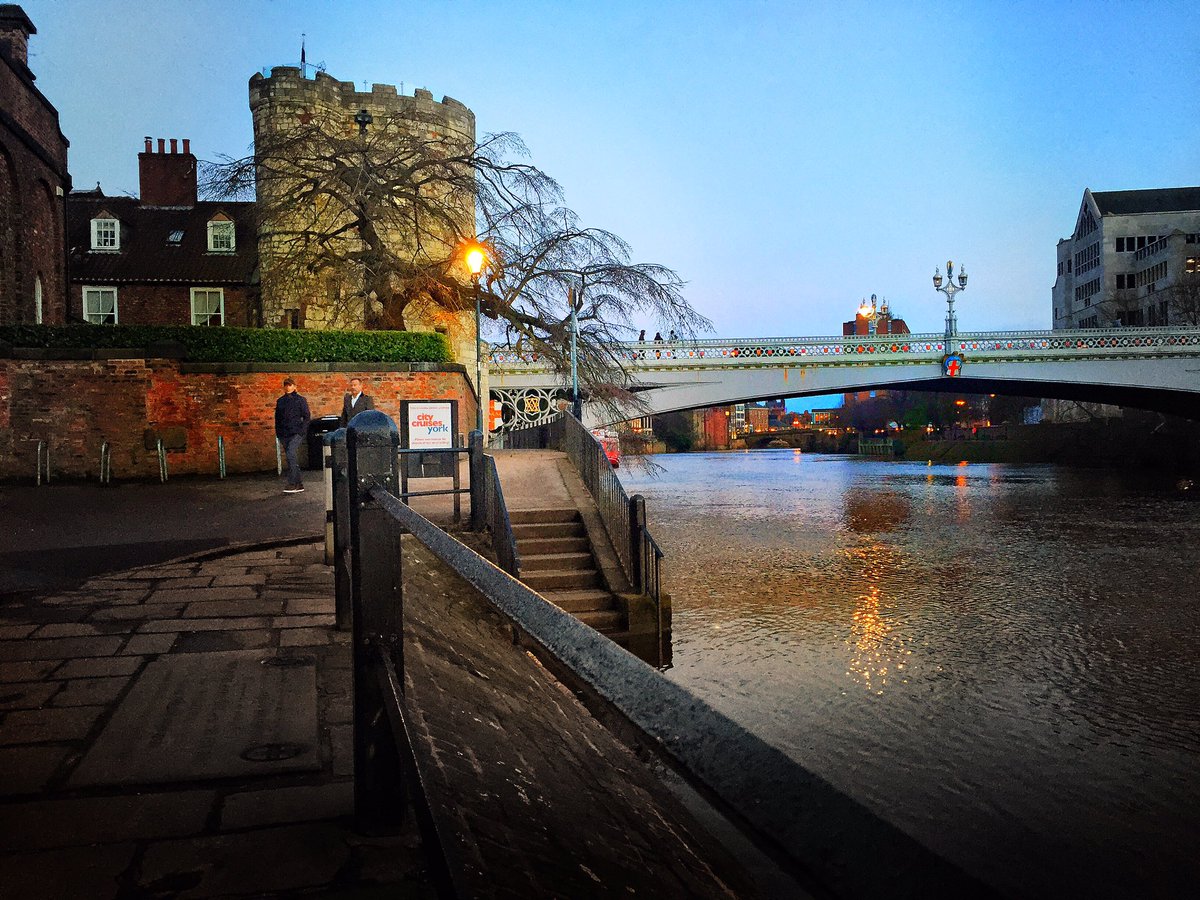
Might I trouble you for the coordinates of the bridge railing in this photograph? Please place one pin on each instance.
(833, 844)
(861, 348)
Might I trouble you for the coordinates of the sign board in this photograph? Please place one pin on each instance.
(429, 425)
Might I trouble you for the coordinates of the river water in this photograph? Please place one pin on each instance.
(1001, 660)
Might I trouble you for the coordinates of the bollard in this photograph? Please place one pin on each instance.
(221, 455)
(327, 480)
(105, 463)
(162, 461)
(475, 470)
(372, 444)
(637, 527)
(278, 457)
(43, 461)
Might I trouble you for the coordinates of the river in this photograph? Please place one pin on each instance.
(1001, 660)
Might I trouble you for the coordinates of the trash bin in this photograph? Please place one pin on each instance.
(316, 428)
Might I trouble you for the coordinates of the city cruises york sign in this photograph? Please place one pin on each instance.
(952, 364)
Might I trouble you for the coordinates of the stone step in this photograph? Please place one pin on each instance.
(563, 561)
(542, 516)
(538, 546)
(581, 601)
(551, 579)
(527, 531)
(603, 620)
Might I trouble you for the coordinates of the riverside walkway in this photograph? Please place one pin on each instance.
(183, 730)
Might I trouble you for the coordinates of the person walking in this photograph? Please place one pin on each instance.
(658, 337)
(642, 336)
(291, 423)
(355, 401)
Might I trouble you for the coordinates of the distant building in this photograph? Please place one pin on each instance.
(164, 258)
(33, 184)
(1130, 260)
(711, 427)
(861, 325)
(758, 418)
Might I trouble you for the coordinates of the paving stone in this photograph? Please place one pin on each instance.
(99, 668)
(303, 621)
(214, 608)
(232, 624)
(31, 670)
(66, 629)
(196, 594)
(35, 726)
(148, 644)
(303, 637)
(58, 648)
(305, 803)
(193, 581)
(242, 579)
(71, 873)
(90, 691)
(24, 770)
(209, 641)
(311, 606)
(27, 695)
(140, 611)
(252, 863)
(205, 715)
(45, 824)
(341, 747)
(15, 632)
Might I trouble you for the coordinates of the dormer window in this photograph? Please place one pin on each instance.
(106, 233)
(175, 238)
(220, 235)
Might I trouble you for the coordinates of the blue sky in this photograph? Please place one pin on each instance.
(786, 158)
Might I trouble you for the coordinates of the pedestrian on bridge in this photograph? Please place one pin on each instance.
(658, 337)
(642, 336)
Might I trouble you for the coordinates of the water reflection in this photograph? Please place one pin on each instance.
(877, 651)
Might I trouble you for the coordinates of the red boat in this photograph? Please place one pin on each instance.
(611, 442)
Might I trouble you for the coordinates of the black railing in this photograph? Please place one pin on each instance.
(494, 515)
(831, 843)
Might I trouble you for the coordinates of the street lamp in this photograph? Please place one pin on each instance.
(870, 313)
(476, 259)
(950, 289)
(576, 403)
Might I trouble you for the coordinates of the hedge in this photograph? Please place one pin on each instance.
(239, 344)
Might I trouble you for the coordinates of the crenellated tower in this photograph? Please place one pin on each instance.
(286, 99)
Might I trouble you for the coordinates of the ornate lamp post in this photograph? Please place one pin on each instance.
(476, 259)
(871, 314)
(950, 289)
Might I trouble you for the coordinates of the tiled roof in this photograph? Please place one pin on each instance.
(1124, 203)
(146, 254)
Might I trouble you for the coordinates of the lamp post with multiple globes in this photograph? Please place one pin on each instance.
(950, 289)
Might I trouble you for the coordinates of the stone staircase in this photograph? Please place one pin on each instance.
(557, 561)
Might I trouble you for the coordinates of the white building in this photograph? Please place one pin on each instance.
(1128, 260)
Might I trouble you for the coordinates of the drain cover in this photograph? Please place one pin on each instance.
(272, 752)
(288, 662)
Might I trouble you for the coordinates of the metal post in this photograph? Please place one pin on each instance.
(221, 455)
(637, 523)
(42, 450)
(575, 404)
(475, 446)
(372, 445)
(327, 471)
(105, 463)
(341, 528)
(162, 460)
(479, 398)
(456, 461)
(278, 457)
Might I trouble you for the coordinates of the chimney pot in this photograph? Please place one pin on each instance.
(187, 145)
(162, 145)
(147, 143)
(174, 145)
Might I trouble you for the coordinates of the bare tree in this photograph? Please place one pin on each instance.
(365, 225)
(1184, 301)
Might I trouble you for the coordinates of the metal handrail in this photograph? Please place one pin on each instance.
(498, 522)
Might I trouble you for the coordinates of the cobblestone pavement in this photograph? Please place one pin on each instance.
(113, 696)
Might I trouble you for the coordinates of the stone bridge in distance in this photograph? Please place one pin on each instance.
(1146, 368)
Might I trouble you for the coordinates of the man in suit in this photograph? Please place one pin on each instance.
(355, 401)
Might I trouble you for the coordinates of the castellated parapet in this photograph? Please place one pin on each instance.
(278, 103)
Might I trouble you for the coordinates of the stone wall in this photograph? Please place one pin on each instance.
(77, 404)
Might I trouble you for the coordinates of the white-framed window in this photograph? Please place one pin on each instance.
(220, 236)
(106, 234)
(208, 306)
(37, 300)
(100, 305)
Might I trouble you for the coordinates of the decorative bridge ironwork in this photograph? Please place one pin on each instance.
(1103, 364)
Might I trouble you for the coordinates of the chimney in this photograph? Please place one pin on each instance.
(15, 29)
(168, 179)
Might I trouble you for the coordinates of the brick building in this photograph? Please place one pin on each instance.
(33, 183)
(165, 258)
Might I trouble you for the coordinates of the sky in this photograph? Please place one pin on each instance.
(787, 159)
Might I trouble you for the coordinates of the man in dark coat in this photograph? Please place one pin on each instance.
(291, 424)
(355, 401)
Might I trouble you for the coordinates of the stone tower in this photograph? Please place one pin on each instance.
(278, 103)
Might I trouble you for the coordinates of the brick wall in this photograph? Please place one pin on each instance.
(78, 404)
